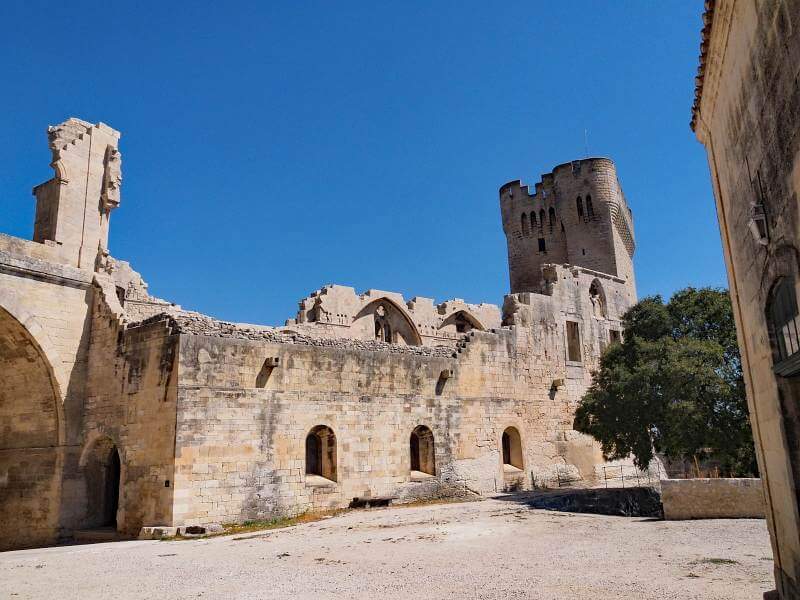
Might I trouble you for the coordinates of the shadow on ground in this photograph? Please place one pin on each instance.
(622, 502)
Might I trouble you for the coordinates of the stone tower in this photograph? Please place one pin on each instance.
(73, 208)
(576, 215)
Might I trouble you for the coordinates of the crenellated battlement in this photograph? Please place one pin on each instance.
(577, 214)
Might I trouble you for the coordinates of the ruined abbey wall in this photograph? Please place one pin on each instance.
(122, 410)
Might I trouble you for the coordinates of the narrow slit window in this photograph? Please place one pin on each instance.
(542, 245)
(579, 205)
(589, 207)
(573, 342)
(525, 230)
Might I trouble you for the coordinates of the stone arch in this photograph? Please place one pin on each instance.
(320, 448)
(422, 451)
(462, 321)
(15, 307)
(597, 296)
(400, 323)
(103, 469)
(31, 430)
(511, 446)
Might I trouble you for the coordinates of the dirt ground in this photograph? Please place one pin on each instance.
(496, 548)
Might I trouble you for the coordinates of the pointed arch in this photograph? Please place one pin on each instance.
(597, 296)
(589, 207)
(403, 325)
(462, 316)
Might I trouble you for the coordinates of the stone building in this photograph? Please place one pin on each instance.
(747, 115)
(122, 410)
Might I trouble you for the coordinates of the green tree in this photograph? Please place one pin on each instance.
(673, 386)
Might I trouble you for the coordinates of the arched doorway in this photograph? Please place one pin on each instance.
(102, 474)
(321, 452)
(30, 461)
(512, 450)
(423, 456)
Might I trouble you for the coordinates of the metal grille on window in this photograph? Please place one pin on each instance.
(784, 328)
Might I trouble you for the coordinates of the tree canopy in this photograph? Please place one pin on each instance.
(673, 386)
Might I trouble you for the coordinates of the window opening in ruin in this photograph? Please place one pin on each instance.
(614, 336)
(462, 324)
(541, 218)
(562, 226)
(598, 299)
(589, 207)
(321, 452)
(552, 215)
(512, 449)
(583, 251)
(102, 475)
(533, 220)
(121, 295)
(383, 331)
(579, 204)
(573, 342)
(525, 230)
(542, 245)
(783, 326)
(423, 458)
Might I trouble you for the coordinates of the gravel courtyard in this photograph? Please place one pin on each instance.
(491, 549)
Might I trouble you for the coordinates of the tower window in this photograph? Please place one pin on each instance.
(552, 213)
(589, 207)
(542, 245)
(533, 219)
(573, 342)
(541, 218)
(524, 219)
(579, 204)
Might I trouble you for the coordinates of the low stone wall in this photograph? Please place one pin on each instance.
(712, 499)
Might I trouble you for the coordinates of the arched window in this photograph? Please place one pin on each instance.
(783, 326)
(598, 299)
(541, 218)
(525, 230)
(589, 207)
(512, 449)
(102, 472)
(552, 215)
(533, 219)
(423, 456)
(579, 204)
(321, 452)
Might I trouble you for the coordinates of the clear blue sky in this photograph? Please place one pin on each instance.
(270, 148)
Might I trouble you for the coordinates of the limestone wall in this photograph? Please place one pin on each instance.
(130, 402)
(712, 499)
(248, 397)
(747, 115)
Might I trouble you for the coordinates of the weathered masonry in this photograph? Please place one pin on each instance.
(747, 115)
(122, 410)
